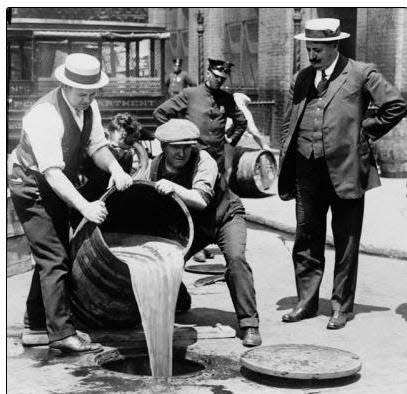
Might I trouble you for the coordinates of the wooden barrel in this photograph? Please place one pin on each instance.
(253, 172)
(392, 152)
(101, 291)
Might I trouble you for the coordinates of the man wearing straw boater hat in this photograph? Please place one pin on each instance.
(59, 130)
(326, 161)
(217, 214)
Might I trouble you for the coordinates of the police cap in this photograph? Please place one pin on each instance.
(177, 132)
(221, 68)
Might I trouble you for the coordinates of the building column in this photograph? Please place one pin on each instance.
(275, 58)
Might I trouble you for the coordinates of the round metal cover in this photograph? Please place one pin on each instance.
(206, 268)
(301, 361)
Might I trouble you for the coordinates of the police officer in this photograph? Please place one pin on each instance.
(58, 131)
(208, 106)
(217, 213)
(178, 79)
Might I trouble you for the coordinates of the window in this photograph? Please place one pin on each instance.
(241, 48)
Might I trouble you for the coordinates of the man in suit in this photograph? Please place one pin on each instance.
(326, 162)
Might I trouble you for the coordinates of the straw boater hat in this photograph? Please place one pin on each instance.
(81, 71)
(178, 132)
(322, 29)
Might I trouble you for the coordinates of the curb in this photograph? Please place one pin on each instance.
(364, 248)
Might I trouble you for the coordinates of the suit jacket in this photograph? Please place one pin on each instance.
(346, 132)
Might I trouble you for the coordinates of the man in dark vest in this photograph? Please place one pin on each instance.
(208, 106)
(326, 161)
(217, 214)
(178, 79)
(57, 133)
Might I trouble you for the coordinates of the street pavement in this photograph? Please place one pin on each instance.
(378, 334)
(385, 219)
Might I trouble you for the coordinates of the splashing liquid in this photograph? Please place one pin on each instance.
(156, 266)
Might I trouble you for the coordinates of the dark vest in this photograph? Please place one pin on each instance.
(74, 141)
(223, 206)
(309, 132)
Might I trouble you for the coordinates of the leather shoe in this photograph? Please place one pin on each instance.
(74, 344)
(338, 320)
(297, 314)
(251, 337)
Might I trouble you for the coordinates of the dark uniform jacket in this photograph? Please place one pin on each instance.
(208, 109)
(345, 132)
(178, 81)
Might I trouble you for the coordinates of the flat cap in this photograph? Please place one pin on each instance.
(177, 132)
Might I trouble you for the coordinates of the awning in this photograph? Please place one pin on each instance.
(98, 35)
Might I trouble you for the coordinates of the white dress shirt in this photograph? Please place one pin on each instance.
(45, 129)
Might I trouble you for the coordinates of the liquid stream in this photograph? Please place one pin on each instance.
(156, 266)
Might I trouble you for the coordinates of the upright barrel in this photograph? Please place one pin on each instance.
(101, 290)
(253, 172)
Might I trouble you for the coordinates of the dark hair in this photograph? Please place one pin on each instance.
(128, 123)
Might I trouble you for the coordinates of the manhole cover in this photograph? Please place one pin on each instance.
(206, 268)
(301, 361)
(140, 365)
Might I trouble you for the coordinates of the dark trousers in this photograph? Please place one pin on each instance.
(314, 196)
(45, 220)
(231, 239)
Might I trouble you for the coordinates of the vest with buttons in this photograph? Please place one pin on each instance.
(74, 141)
(223, 206)
(309, 132)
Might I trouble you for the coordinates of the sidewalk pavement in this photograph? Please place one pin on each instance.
(385, 220)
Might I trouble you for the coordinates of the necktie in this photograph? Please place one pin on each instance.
(323, 83)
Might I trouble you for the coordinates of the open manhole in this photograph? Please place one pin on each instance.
(139, 365)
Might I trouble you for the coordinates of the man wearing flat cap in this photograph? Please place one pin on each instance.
(59, 130)
(326, 161)
(208, 106)
(178, 79)
(217, 214)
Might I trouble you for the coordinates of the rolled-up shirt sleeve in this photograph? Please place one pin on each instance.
(44, 129)
(97, 137)
(205, 175)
